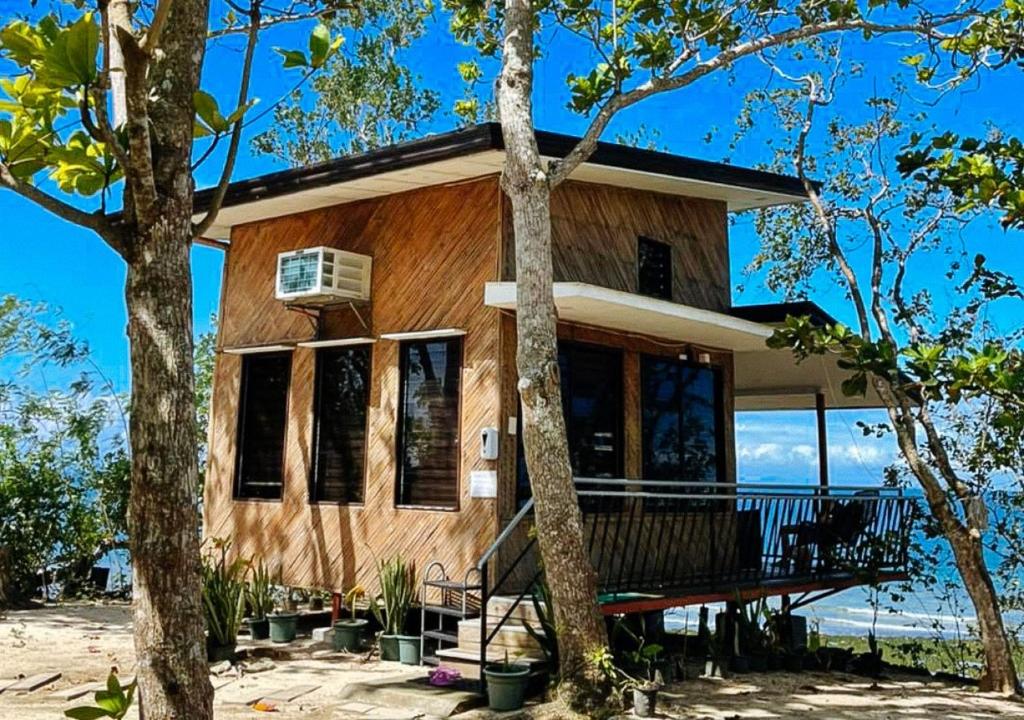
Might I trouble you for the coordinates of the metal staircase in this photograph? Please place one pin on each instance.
(447, 602)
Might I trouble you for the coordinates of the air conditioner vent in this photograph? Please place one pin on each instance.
(323, 275)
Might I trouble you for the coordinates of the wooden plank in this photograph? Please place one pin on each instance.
(7, 683)
(34, 682)
(289, 694)
(77, 691)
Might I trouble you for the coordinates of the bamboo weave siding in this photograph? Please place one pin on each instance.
(594, 231)
(433, 250)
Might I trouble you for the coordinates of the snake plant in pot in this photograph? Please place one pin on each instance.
(223, 600)
(397, 581)
(260, 598)
(348, 632)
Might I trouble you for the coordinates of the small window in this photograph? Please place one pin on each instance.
(342, 393)
(262, 418)
(654, 268)
(681, 421)
(428, 423)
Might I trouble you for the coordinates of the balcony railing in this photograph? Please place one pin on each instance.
(685, 539)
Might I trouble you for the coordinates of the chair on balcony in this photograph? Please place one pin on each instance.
(835, 534)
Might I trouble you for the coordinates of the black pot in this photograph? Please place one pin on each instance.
(792, 663)
(759, 663)
(259, 629)
(740, 664)
(215, 652)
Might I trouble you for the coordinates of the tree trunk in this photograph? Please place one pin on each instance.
(1000, 674)
(569, 572)
(164, 529)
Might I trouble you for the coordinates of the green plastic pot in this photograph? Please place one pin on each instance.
(506, 686)
(348, 635)
(259, 629)
(282, 627)
(409, 649)
(389, 647)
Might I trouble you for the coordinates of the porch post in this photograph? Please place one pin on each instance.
(819, 410)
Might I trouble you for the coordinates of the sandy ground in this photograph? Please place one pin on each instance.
(84, 641)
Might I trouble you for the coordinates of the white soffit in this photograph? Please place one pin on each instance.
(468, 167)
(773, 380)
(638, 314)
(339, 342)
(255, 349)
(423, 334)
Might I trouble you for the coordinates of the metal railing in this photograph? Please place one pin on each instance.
(686, 538)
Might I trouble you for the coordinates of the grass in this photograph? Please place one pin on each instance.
(950, 656)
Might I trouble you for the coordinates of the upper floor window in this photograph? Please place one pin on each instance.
(428, 423)
(262, 419)
(342, 394)
(654, 268)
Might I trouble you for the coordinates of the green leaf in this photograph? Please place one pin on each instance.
(319, 45)
(83, 42)
(292, 58)
(112, 702)
(86, 713)
(209, 112)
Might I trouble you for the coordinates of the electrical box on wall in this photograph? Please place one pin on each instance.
(489, 443)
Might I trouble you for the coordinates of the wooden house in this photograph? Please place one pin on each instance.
(383, 420)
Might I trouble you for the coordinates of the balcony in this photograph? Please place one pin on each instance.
(660, 544)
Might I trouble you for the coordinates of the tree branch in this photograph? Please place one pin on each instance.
(236, 132)
(151, 41)
(265, 24)
(97, 222)
(561, 169)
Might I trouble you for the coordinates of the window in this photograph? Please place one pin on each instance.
(262, 417)
(591, 380)
(428, 423)
(681, 421)
(342, 393)
(654, 268)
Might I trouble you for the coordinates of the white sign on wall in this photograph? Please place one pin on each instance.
(483, 484)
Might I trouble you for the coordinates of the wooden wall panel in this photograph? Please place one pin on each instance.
(433, 251)
(594, 234)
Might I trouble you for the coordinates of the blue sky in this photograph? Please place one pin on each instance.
(45, 259)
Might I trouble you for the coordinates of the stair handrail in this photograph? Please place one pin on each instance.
(504, 535)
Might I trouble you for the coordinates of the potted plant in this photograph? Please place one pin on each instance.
(284, 619)
(397, 582)
(648, 680)
(223, 598)
(260, 597)
(348, 632)
(506, 685)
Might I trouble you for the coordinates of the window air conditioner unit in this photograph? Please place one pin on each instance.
(323, 275)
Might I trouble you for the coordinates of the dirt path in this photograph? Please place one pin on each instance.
(83, 642)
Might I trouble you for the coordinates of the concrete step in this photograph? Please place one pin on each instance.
(512, 636)
(497, 607)
(468, 662)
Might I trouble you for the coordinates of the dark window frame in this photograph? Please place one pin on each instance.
(659, 247)
(565, 382)
(314, 475)
(718, 380)
(244, 380)
(403, 359)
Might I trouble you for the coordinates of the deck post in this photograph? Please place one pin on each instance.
(819, 410)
